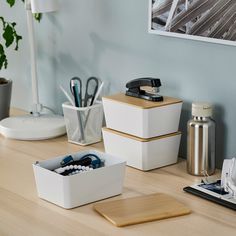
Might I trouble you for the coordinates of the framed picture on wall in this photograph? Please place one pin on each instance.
(205, 20)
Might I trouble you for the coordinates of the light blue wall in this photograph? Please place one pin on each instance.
(109, 39)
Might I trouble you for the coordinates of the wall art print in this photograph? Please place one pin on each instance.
(206, 20)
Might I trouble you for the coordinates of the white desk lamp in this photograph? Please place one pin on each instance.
(35, 126)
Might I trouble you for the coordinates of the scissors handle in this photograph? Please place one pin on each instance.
(91, 90)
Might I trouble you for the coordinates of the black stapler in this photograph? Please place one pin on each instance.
(135, 89)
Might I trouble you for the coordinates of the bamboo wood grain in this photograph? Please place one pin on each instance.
(142, 103)
(141, 209)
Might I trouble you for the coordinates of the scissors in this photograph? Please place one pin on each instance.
(90, 90)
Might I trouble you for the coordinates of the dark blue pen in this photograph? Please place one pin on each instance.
(75, 90)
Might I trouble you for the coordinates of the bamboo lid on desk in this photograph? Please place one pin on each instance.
(141, 209)
(142, 103)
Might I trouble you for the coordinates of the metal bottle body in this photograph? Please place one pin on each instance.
(201, 146)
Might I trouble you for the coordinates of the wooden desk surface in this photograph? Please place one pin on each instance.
(23, 213)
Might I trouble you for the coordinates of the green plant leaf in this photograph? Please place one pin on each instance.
(3, 21)
(17, 38)
(8, 35)
(38, 16)
(3, 58)
(1, 49)
(11, 2)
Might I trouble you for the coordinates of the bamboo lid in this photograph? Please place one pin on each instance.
(141, 209)
(142, 103)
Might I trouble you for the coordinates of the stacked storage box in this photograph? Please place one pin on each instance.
(143, 132)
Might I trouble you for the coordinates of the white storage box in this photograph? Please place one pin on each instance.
(142, 118)
(83, 124)
(82, 188)
(143, 154)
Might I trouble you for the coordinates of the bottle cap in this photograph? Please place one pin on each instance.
(201, 109)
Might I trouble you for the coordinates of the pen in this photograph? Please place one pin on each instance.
(67, 95)
(98, 92)
(75, 90)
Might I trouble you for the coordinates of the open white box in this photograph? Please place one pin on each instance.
(142, 118)
(143, 154)
(82, 188)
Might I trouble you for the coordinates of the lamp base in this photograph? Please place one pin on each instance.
(29, 127)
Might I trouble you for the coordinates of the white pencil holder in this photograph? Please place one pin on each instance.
(83, 124)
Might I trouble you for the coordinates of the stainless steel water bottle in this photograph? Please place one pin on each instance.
(201, 141)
